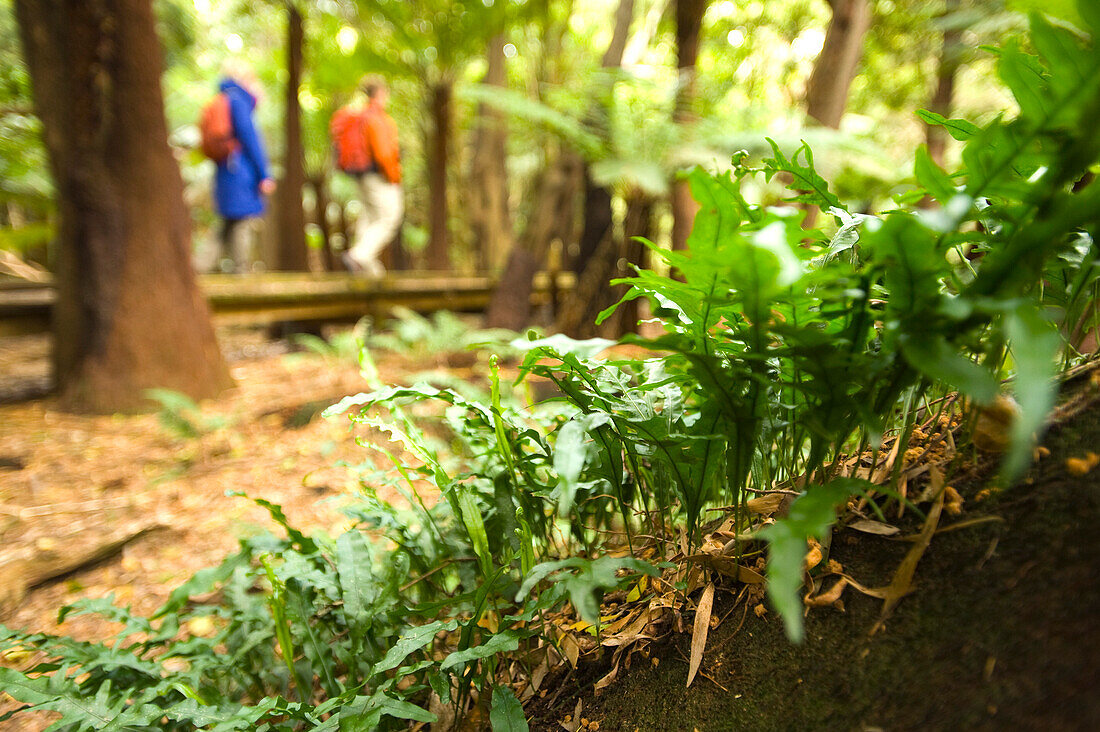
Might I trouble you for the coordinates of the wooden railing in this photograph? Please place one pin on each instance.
(260, 299)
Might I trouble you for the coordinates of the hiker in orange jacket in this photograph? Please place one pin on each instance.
(379, 177)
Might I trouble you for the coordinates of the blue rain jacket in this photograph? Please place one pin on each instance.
(237, 182)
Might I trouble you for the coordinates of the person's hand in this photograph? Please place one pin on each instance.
(267, 186)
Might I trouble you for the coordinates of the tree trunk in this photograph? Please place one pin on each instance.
(344, 227)
(611, 260)
(129, 315)
(638, 223)
(318, 182)
(511, 304)
(597, 198)
(394, 257)
(439, 256)
(689, 22)
(492, 224)
(944, 93)
(292, 254)
(597, 221)
(827, 91)
(624, 16)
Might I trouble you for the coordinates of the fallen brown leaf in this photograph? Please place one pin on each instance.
(829, 598)
(700, 630)
(868, 526)
(813, 556)
(902, 583)
(765, 505)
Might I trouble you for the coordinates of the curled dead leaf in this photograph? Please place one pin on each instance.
(539, 674)
(572, 722)
(607, 680)
(869, 526)
(830, 597)
(813, 556)
(750, 576)
(765, 505)
(570, 648)
(760, 610)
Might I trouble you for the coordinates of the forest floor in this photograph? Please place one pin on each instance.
(72, 485)
(1001, 632)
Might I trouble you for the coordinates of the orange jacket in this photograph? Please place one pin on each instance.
(381, 134)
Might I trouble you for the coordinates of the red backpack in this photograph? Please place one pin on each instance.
(216, 128)
(350, 141)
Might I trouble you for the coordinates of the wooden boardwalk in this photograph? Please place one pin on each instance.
(259, 299)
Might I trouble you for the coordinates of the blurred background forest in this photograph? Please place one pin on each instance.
(552, 83)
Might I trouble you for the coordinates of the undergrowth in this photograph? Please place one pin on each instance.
(795, 363)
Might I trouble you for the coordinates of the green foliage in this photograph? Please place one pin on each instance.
(442, 332)
(811, 515)
(180, 416)
(506, 714)
(589, 579)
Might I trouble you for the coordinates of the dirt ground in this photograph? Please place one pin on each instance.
(70, 482)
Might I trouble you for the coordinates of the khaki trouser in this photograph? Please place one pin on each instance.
(238, 237)
(383, 209)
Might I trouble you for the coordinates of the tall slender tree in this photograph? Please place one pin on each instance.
(689, 24)
(835, 68)
(597, 198)
(947, 68)
(292, 254)
(129, 315)
(441, 108)
(491, 219)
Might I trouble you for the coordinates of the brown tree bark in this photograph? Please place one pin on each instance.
(624, 16)
(689, 23)
(511, 304)
(491, 218)
(943, 96)
(611, 260)
(319, 183)
(439, 256)
(637, 223)
(827, 91)
(597, 198)
(292, 254)
(129, 315)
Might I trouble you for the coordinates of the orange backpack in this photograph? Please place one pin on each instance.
(350, 141)
(216, 128)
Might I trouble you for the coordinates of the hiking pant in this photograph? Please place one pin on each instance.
(383, 209)
(236, 239)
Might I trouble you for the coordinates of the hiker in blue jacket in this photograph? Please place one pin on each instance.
(242, 178)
